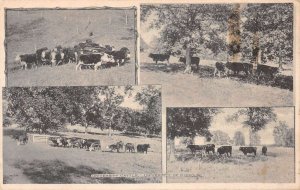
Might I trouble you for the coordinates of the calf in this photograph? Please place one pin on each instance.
(225, 150)
(248, 149)
(143, 148)
(129, 147)
(159, 57)
(264, 150)
(194, 62)
(26, 60)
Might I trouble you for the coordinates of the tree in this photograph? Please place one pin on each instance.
(188, 122)
(220, 137)
(271, 28)
(283, 136)
(256, 119)
(239, 138)
(255, 139)
(189, 26)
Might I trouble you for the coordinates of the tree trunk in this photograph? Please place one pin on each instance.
(188, 68)
(234, 34)
(172, 150)
(86, 129)
(109, 131)
(255, 51)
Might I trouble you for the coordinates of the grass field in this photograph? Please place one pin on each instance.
(42, 163)
(277, 167)
(27, 30)
(181, 89)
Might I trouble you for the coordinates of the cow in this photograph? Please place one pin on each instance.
(120, 56)
(40, 55)
(95, 146)
(225, 150)
(267, 70)
(94, 59)
(142, 148)
(248, 149)
(129, 147)
(194, 62)
(195, 148)
(264, 150)
(70, 55)
(159, 57)
(210, 148)
(22, 139)
(26, 60)
(237, 67)
(220, 68)
(117, 146)
(45, 58)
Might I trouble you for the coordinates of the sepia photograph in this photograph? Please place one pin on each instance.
(219, 54)
(82, 135)
(231, 145)
(63, 47)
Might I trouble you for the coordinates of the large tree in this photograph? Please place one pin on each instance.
(188, 122)
(283, 135)
(189, 27)
(255, 118)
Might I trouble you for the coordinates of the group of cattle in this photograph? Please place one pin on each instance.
(224, 150)
(223, 68)
(95, 145)
(96, 57)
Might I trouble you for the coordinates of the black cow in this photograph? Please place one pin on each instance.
(129, 147)
(22, 139)
(237, 67)
(120, 56)
(159, 57)
(248, 149)
(27, 60)
(194, 62)
(117, 146)
(210, 148)
(225, 150)
(70, 55)
(94, 59)
(220, 68)
(267, 70)
(264, 150)
(40, 56)
(143, 148)
(195, 148)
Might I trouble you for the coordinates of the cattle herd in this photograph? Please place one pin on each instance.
(87, 144)
(223, 68)
(224, 150)
(84, 54)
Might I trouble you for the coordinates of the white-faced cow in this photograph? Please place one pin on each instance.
(26, 60)
(94, 59)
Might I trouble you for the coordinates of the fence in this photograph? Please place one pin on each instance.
(38, 138)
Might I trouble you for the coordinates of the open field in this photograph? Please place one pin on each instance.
(276, 167)
(42, 163)
(27, 30)
(193, 90)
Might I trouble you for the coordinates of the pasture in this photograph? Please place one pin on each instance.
(42, 163)
(276, 167)
(27, 30)
(202, 89)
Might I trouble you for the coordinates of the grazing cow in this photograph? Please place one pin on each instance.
(225, 150)
(248, 149)
(220, 68)
(195, 148)
(94, 59)
(26, 60)
(129, 147)
(159, 57)
(120, 56)
(194, 62)
(264, 150)
(210, 148)
(22, 139)
(267, 70)
(143, 148)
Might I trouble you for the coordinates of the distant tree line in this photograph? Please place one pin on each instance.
(43, 109)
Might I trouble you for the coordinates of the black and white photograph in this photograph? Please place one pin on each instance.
(219, 54)
(63, 47)
(82, 135)
(231, 145)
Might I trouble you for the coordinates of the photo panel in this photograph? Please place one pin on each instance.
(231, 145)
(82, 135)
(219, 54)
(70, 47)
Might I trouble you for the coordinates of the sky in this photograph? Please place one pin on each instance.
(219, 122)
